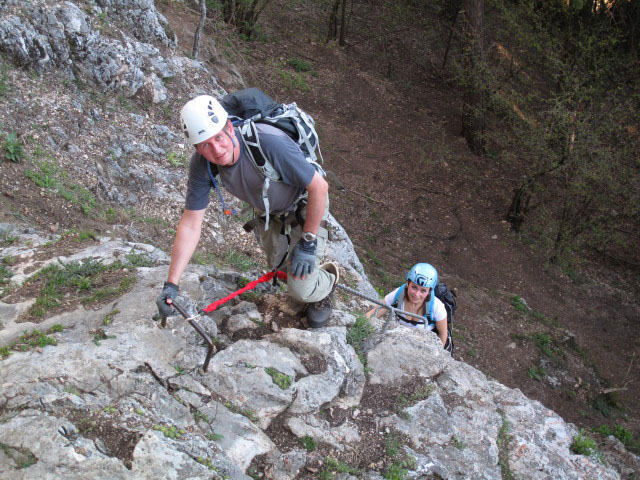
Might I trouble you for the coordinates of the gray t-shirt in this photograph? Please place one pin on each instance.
(244, 180)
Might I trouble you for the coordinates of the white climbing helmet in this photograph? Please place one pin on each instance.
(201, 118)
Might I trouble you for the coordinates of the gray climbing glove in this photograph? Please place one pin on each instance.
(303, 258)
(170, 291)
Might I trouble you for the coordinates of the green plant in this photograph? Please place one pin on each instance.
(124, 102)
(108, 318)
(31, 340)
(44, 176)
(207, 463)
(399, 469)
(239, 260)
(108, 292)
(543, 342)
(298, 65)
(250, 414)
(135, 260)
(621, 433)
(7, 237)
(293, 81)
(457, 442)
(170, 431)
(198, 415)
(280, 379)
(139, 411)
(179, 369)
(503, 441)
(519, 304)
(583, 444)
(536, 373)
(72, 390)
(214, 436)
(200, 258)
(607, 403)
(99, 335)
(308, 443)
(392, 445)
(176, 159)
(5, 275)
(360, 331)
(403, 402)
(3, 83)
(111, 409)
(12, 149)
(333, 465)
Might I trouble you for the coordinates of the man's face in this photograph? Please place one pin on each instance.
(219, 148)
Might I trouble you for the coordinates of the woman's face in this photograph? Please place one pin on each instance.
(416, 293)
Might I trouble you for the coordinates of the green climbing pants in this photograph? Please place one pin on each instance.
(319, 283)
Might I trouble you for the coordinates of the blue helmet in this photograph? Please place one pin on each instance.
(423, 274)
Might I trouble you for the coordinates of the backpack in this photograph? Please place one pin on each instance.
(447, 297)
(250, 106)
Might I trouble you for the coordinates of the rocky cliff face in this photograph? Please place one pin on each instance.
(92, 387)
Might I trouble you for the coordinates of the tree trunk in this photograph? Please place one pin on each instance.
(243, 14)
(343, 24)
(196, 37)
(474, 97)
(332, 31)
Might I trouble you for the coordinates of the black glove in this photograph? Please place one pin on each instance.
(303, 258)
(170, 291)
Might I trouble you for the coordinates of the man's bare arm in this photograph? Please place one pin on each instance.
(185, 243)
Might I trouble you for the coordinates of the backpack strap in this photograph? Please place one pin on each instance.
(396, 299)
(251, 139)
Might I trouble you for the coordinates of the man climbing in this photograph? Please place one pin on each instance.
(294, 208)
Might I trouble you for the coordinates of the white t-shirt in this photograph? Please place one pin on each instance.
(439, 311)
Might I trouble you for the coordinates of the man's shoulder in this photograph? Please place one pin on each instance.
(268, 129)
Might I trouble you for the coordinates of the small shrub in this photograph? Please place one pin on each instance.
(176, 160)
(400, 468)
(239, 260)
(108, 318)
(198, 415)
(308, 443)
(298, 65)
(7, 237)
(543, 342)
(519, 304)
(536, 373)
(214, 436)
(583, 444)
(333, 465)
(360, 331)
(12, 149)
